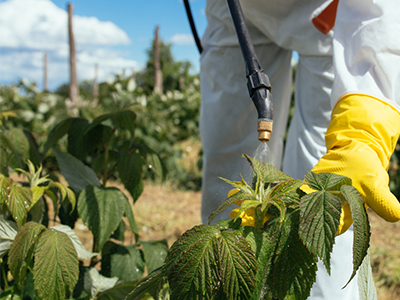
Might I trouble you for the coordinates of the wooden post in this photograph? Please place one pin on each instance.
(73, 84)
(95, 86)
(158, 76)
(44, 71)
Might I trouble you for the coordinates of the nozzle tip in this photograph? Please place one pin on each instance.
(264, 129)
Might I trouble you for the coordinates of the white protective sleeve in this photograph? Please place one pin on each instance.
(366, 50)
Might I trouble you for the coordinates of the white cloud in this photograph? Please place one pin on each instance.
(182, 39)
(30, 27)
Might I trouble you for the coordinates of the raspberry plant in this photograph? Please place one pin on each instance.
(272, 260)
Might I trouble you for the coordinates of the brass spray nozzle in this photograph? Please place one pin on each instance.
(264, 129)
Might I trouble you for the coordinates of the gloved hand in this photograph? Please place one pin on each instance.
(360, 139)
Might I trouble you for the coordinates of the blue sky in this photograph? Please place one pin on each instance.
(115, 34)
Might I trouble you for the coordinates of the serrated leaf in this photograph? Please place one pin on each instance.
(248, 204)
(286, 192)
(75, 172)
(101, 210)
(191, 264)
(237, 265)
(150, 284)
(361, 227)
(154, 253)
(59, 131)
(326, 181)
(22, 248)
(79, 248)
(124, 262)
(96, 283)
(263, 248)
(319, 221)
(130, 167)
(56, 267)
(19, 202)
(293, 268)
(8, 231)
(267, 172)
(238, 197)
(366, 286)
(204, 258)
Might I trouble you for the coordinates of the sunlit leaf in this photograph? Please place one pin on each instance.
(66, 192)
(366, 286)
(320, 217)
(37, 193)
(80, 249)
(206, 261)
(75, 172)
(101, 210)
(326, 181)
(130, 167)
(8, 231)
(5, 188)
(361, 228)
(21, 249)
(154, 253)
(267, 172)
(56, 265)
(19, 202)
(96, 283)
(124, 262)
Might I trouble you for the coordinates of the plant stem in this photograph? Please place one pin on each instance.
(4, 276)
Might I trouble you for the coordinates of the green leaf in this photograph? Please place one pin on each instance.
(191, 264)
(16, 141)
(96, 283)
(366, 286)
(205, 261)
(361, 227)
(130, 168)
(37, 193)
(267, 172)
(56, 267)
(59, 131)
(293, 268)
(124, 262)
(239, 196)
(286, 192)
(79, 248)
(19, 202)
(75, 172)
(263, 248)
(5, 187)
(21, 249)
(237, 265)
(9, 152)
(326, 181)
(150, 284)
(66, 192)
(101, 210)
(320, 217)
(119, 291)
(11, 293)
(154, 253)
(121, 119)
(129, 215)
(8, 231)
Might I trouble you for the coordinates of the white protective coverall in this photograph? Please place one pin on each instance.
(361, 54)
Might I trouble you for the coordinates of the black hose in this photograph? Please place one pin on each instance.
(258, 82)
(193, 26)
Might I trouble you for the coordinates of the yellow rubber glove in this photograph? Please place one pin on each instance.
(360, 140)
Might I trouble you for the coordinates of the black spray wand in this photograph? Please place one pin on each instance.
(257, 81)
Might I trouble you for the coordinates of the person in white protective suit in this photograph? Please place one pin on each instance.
(347, 104)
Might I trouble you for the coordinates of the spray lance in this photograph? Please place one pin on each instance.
(258, 83)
